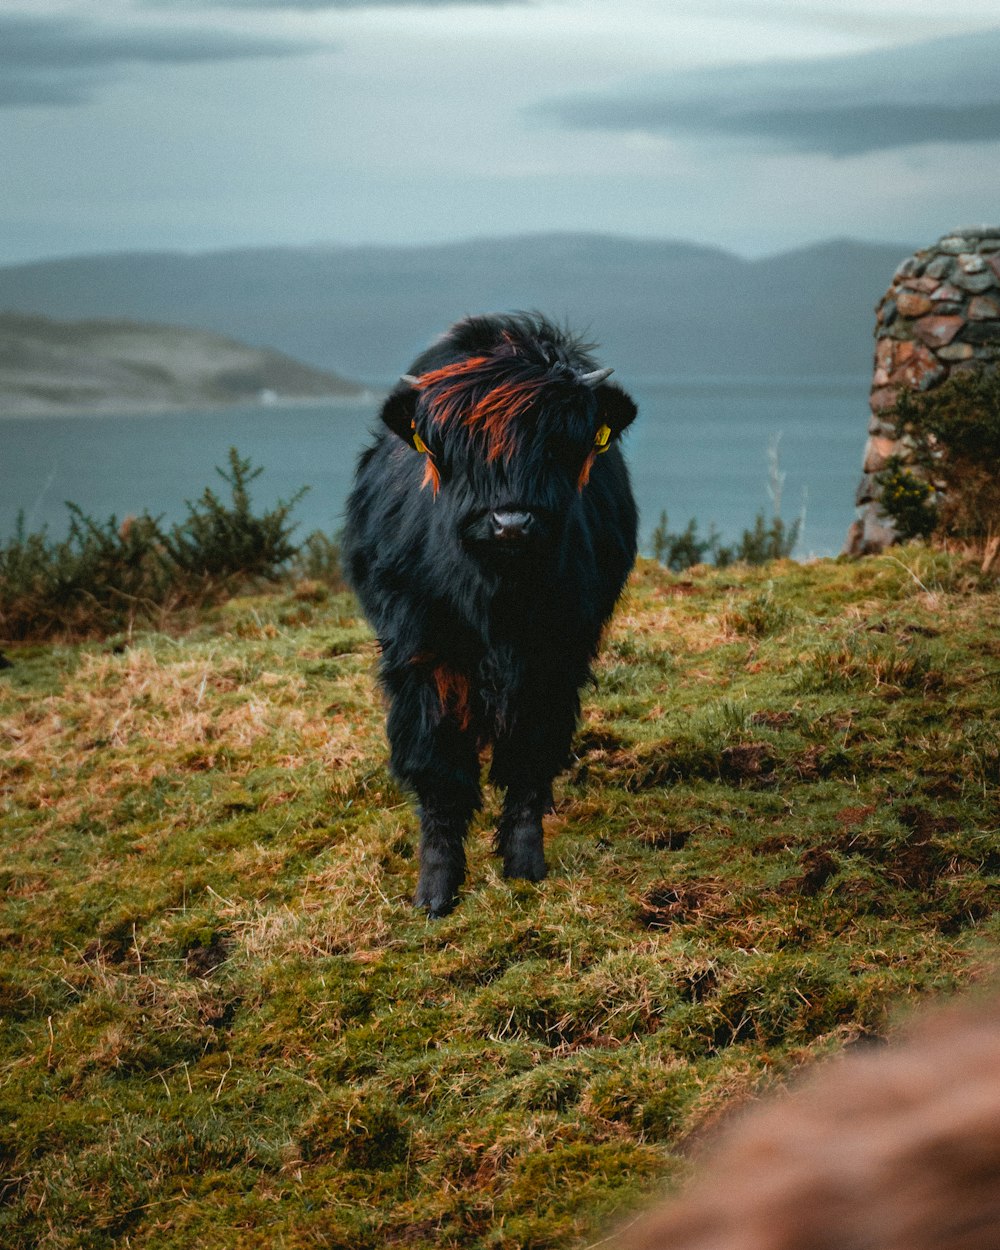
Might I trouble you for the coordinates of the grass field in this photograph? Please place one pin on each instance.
(223, 1025)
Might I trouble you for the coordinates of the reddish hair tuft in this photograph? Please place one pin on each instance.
(487, 394)
(453, 693)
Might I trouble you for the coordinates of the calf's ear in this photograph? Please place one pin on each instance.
(614, 407)
(398, 412)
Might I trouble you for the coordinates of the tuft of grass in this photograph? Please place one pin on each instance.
(222, 1024)
(758, 615)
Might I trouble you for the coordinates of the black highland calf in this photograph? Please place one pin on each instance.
(490, 531)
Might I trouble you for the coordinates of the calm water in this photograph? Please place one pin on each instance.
(699, 448)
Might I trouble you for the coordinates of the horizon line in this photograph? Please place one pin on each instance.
(457, 242)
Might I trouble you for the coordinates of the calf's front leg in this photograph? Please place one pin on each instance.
(442, 857)
(525, 761)
(436, 757)
(519, 836)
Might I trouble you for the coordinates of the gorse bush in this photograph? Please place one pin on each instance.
(98, 579)
(107, 576)
(317, 559)
(681, 551)
(954, 431)
(908, 499)
(219, 540)
(767, 540)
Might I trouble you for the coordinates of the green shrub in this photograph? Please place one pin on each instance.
(317, 559)
(220, 541)
(766, 541)
(908, 499)
(954, 430)
(680, 551)
(107, 576)
(98, 579)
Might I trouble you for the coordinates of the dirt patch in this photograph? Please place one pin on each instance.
(747, 762)
(668, 904)
(772, 720)
(818, 866)
(664, 839)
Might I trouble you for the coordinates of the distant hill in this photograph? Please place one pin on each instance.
(53, 366)
(656, 307)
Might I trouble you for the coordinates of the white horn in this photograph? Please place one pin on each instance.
(595, 378)
(409, 379)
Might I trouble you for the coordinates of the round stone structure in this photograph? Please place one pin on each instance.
(940, 314)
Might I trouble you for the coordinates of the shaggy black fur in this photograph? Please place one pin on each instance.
(489, 573)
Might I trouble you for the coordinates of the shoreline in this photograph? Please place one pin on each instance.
(374, 395)
(148, 409)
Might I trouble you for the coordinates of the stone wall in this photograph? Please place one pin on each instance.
(941, 313)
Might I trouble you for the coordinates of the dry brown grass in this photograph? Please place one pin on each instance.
(775, 828)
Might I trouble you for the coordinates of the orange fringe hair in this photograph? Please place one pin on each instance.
(452, 391)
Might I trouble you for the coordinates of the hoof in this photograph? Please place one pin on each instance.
(435, 901)
(435, 908)
(525, 868)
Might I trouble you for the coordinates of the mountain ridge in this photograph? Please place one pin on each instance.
(656, 306)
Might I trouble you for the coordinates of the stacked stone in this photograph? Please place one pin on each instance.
(941, 313)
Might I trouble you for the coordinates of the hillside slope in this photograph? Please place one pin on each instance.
(656, 307)
(57, 366)
(223, 1025)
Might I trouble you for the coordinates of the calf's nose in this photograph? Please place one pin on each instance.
(510, 526)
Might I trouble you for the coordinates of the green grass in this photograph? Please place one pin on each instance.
(223, 1025)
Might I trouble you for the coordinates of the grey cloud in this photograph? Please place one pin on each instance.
(65, 61)
(315, 5)
(946, 90)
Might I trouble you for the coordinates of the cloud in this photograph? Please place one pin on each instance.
(314, 5)
(946, 91)
(65, 61)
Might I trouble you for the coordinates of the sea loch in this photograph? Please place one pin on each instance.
(699, 449)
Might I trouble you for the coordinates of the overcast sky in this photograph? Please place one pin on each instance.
(758, 125)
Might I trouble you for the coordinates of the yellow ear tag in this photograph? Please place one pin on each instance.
(418, 442)
(602, 439)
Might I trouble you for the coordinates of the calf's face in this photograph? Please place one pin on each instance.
(508, 449)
